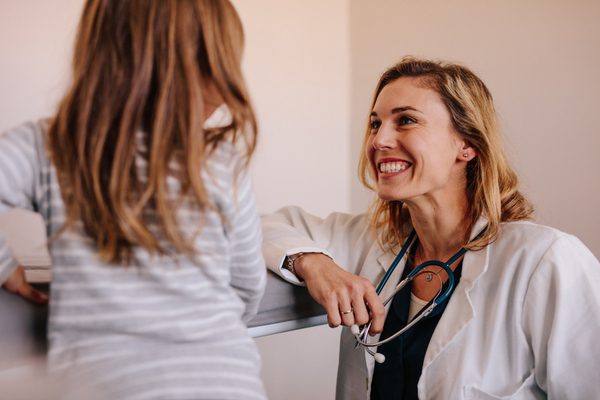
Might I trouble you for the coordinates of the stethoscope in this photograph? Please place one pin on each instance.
(362, 334)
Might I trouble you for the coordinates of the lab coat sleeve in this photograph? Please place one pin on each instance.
(248, 272)
(562, 320)
(19, 182)
(344, 237)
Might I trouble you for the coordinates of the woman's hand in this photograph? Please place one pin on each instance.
(17, 284)
(348, 299)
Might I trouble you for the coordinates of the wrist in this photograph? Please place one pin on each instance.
(291, 263)
(307, 263)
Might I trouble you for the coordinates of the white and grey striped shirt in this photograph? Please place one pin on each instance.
(164, 327)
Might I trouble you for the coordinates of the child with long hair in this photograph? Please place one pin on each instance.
(142, 182)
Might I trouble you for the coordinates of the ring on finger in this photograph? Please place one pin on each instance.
(350, 311)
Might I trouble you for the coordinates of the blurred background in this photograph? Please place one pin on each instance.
(312, 66)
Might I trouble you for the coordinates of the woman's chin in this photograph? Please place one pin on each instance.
(387, 196)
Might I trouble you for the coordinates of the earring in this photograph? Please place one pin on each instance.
(465, 155)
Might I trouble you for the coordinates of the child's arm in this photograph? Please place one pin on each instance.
(248, 272)
(19, 183)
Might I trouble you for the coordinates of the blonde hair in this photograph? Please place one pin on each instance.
(491, 183)
(145, 65)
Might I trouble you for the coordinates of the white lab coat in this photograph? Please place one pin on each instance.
(523, 323)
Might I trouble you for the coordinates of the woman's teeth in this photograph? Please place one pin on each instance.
(390, 167)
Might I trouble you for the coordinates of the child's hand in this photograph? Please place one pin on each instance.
(17, 284)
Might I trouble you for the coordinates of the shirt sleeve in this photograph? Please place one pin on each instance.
(19, 181)
(562, 320)
(345, 238)
(248, 272)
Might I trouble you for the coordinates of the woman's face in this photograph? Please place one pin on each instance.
(412, 146)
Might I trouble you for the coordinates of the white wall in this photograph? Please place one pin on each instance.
(35, 46)
(540, 59)
(297, 63)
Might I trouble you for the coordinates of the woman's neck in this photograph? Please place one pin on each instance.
(442, 228)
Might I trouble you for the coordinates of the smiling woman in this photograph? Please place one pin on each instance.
(449, 124)
(414, 144)
(433, 155)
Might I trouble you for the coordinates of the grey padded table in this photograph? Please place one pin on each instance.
(284, 307)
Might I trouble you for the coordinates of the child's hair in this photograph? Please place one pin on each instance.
(145, 66)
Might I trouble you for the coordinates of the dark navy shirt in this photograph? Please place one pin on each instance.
(398, 376)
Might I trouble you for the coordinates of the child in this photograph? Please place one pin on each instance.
(141, 180)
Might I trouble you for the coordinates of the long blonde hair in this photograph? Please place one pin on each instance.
(144, 65)
(491, 182)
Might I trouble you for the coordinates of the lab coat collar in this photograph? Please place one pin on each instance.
(386, 258)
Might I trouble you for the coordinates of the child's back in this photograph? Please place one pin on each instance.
(148, 323)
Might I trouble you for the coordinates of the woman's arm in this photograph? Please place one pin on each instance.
(562, 319)
(331, 279)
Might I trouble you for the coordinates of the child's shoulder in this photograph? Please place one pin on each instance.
(27, 139)
(28, 132)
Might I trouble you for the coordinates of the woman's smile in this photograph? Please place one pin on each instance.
(412, 145)
(389, 167)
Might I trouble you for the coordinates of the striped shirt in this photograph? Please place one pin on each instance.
(166, 326)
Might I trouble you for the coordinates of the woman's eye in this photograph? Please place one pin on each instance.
(375, 124)
(404, 120)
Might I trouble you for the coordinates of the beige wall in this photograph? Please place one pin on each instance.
(35, 47)
(297, 63)
(540, 59)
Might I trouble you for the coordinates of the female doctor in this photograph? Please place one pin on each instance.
(523, 319)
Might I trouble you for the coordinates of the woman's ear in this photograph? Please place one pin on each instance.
(466, 152)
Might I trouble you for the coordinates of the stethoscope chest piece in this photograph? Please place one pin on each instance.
(362, 333)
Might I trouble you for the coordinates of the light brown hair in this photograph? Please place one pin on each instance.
(145, 66)
(491, 182)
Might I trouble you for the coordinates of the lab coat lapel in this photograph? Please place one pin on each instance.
(384, 260)
(459, 311)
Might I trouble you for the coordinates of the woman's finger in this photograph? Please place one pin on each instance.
(346, 311)
(361, 314)
(376, 311)
(333, 314)
(360, 286)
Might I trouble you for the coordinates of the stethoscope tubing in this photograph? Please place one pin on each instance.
(362, 335)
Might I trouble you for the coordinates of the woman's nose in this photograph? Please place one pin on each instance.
(385, 138)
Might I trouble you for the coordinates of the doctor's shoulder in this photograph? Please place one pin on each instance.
(530, 245)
